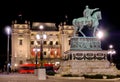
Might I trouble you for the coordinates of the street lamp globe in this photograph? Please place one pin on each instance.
(44, 36)
(41, 27)
(111, 52)
(38, 37)
(8, 30)
(110, 46)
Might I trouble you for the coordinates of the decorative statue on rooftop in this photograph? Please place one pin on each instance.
(90, 18)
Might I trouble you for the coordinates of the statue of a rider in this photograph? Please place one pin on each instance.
(90, 19)
(88, 12)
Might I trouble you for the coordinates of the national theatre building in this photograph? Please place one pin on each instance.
(25, 45)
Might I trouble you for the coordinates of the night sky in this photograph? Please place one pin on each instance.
(55, 11)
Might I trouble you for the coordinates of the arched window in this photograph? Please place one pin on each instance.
(56, 43)
(51, 42)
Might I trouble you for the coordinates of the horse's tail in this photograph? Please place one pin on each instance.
(74, 22)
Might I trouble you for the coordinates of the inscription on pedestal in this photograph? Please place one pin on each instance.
(82, 43)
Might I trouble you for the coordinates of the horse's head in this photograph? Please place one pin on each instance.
(97, 15)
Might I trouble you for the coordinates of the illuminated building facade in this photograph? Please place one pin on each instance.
(24, 37)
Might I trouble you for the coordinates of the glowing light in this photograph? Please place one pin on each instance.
(8, 30)
(15, 65)
(44, 36)
(41, 27)
(100, 34)
(110, 46)
(38, 36)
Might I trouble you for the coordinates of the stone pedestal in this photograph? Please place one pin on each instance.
(42, 74)
(35, 72)
(87, 57)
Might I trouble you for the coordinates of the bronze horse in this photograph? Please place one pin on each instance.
(93, 21)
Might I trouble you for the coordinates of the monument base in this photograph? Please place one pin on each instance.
(87, 57)
(88, 67)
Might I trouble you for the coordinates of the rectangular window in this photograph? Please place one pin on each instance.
(69, 42)
(44, 53)
(38, 42)
(56, 42)
(20, 35)
(20, 42)
(32, 42)
(51, 42)
(44, 42)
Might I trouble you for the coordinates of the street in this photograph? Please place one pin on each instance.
(33, 78)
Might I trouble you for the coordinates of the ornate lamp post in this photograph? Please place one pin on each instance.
(111, 52)
(41, 71)
(8, 31)
(42, 37)
(36, 50)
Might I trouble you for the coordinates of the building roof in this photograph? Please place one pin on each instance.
(47, 26)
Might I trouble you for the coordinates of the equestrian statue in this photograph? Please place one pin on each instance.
(90, 18)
